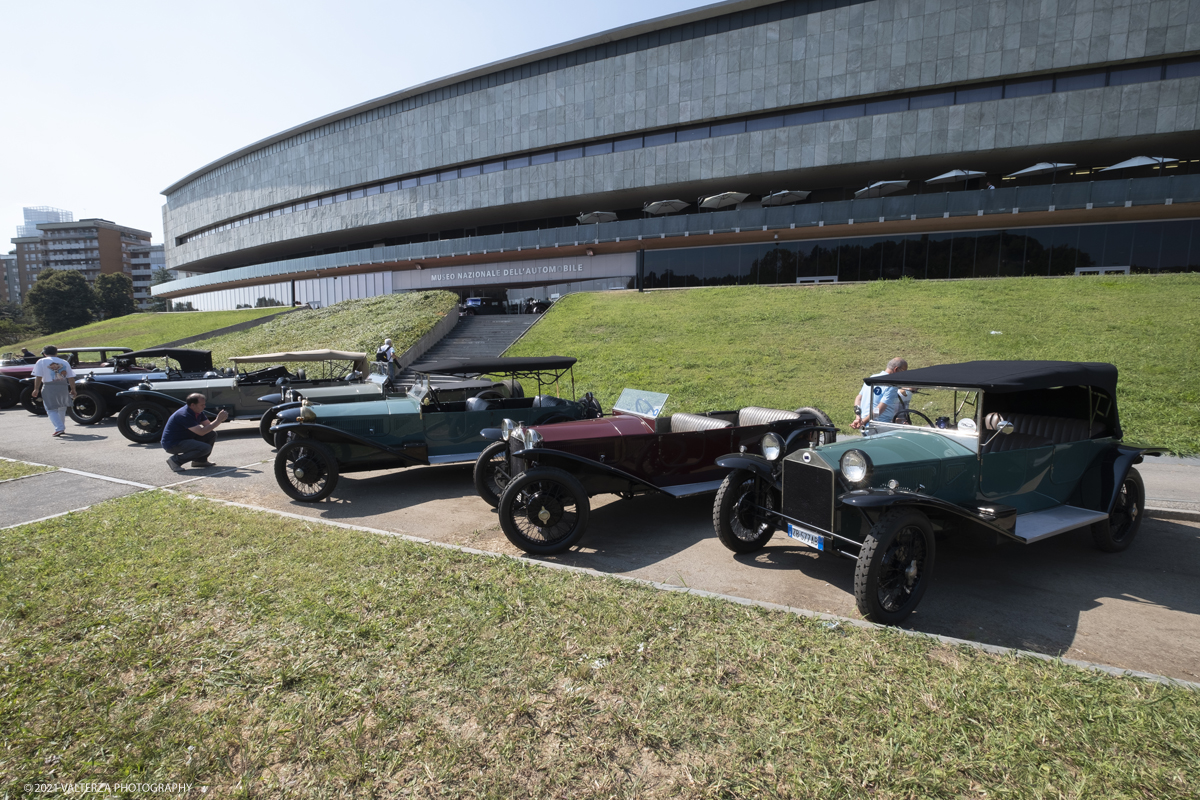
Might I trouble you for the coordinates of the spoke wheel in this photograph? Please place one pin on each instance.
(492, 473)
(1118, 531)
(818, 437)
(142, 422)
(742, 512)
(89, 407)
(544, 511)
(306, 470)
(32, 404)
(894, 566)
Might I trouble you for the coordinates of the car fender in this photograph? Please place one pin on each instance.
(879, 500)
(9, 383)
(577, 465)
(757, 464)
(273, 399)
(415, 453)
(491, 434)
(167, 400)
(1127, 456)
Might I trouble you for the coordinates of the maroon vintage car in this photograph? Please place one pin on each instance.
(540, 478)
(16, 367)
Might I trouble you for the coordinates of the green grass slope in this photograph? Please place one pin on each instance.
(143, 330)
(786, 347)
(357, 325)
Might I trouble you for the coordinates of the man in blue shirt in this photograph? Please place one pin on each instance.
(880, 402)
(189, 435)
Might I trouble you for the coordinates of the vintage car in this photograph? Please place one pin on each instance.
(98, 395)
(16, 385)
(242, 395)
(1023, 450)
(419, 426)
(540, 478)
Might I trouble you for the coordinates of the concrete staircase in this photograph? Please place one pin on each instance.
(477, 337)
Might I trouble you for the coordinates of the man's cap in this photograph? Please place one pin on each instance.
(49, 350)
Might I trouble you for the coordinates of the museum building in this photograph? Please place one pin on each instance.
(743, 142)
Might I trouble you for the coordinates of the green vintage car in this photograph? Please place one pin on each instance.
(1023, 450)
(419, 426)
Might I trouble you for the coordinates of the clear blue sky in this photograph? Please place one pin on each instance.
(107, 104)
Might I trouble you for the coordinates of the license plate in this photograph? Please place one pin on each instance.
(814, 540)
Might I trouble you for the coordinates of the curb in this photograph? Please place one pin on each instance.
(1183, 514)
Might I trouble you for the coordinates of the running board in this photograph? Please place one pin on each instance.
(455, 458)
(690, 489)
(1051, 522)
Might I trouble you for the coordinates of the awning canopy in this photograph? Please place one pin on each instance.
(589, 217)
(1041, 168)
(784, 197)
(879, 189)
(1141, 161)
(723, 199)
(956, 175)
(665, 206)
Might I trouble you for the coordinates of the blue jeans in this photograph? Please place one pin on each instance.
(193, 449)
(58, 416)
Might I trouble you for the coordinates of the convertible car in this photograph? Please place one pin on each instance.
(416, 426)
(540, 478)
(1022, 450)
(16, 385)
(245, 394)
(98, 395)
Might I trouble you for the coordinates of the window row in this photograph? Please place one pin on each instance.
(1067, 82)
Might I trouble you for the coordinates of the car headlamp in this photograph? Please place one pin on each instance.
(307, 412)
(772, 446)
(506, 429)
(855, 466)
(534, 439)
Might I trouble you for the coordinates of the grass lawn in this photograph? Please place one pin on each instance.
(160, 639)
(356, 325)
(140, 331)
(723, 348)
(10, 469)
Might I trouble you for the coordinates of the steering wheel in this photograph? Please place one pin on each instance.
(642, 406)
(902, 417)
(591, 406)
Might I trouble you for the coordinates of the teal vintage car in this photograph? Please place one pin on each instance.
(1024, 450)
(418, 426)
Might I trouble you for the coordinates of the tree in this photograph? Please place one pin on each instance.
(61, 299)
(160, 275)
(266, 302)
(114, 295)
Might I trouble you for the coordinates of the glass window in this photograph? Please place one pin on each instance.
(692, 134)
(470, 172)
(285, 210)
(1084, 80)
(978, 94)
(542, 158)
(340, 197)
(327, 200)
(1012, 253)
(604, 148)
(1028, 88)
(517, 163)
(843, 112)
(962, 256)
(409, 183)
(391, 187)
(495, 166)
(915, 254)
(889, 106)
(849, 256)
(764, 123)
(425, 180)
(1183, 69)
(987, 254)
(655, 139)
(728, 128)
(1118, 245)
(357, 193)
(621, 145)
(448, 175)
(371, 190)
(565, 154)
(1121, 76)
(803, 117)
(1147, 242)
(1176, 237)
(276, 212)
(931, 100)
(891, 258)
(938, 251)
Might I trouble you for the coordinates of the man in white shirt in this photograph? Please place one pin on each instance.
(54, 381)
(387, 353)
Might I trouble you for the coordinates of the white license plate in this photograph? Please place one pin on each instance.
(814, 540)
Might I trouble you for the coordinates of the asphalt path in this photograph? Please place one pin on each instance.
(1137, 610)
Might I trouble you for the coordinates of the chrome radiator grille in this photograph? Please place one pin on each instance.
(808, 494)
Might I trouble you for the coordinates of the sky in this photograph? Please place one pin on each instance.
(107, 104)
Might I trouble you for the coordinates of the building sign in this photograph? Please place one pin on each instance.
(518, 273)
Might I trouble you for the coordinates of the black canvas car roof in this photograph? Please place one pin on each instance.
(1007, 376)
(188, 360)
(493, 366)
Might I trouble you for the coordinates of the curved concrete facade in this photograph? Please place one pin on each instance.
(734, 61)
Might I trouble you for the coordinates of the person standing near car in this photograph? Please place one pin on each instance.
(879, 402)
(387, 353)
(54, 381)
(189, 435)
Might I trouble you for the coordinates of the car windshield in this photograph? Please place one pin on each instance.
(640, 403)
(941, 408)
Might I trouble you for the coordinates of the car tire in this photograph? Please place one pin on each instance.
(544, 490)
(142, 422)
(823, 437)
(740, 526)
(1118, 531)
(280, 438)
(10, 395)
(491, 473)
(306, 470)
(89, 407)
(30, 403)
(515, 389)
(264, 426)
(894, 566)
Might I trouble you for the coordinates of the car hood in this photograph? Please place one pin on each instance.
(332, 413)
(603, 428)
(895, 448)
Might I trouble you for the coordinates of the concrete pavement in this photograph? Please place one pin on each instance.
(1136, 610)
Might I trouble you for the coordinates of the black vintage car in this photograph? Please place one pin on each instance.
(540, 478)
(98, 395)
(16, 383)
(1018, 450)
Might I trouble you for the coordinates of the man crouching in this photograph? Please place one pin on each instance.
(189, 435)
